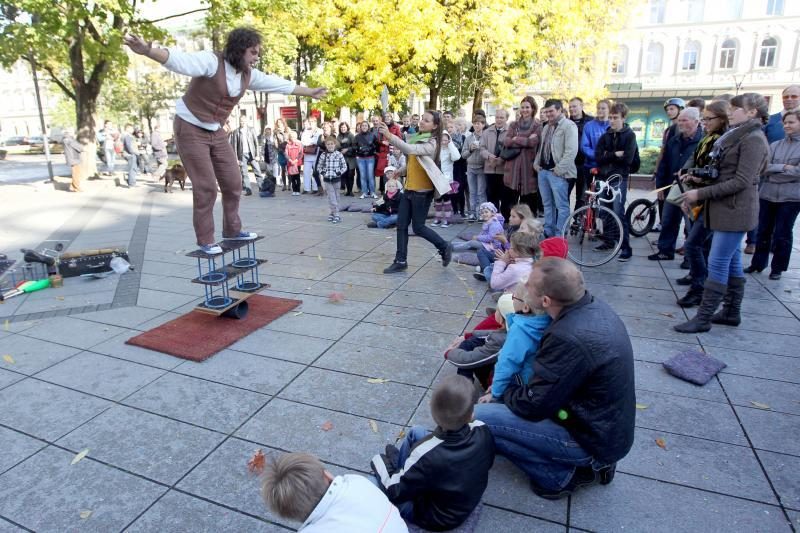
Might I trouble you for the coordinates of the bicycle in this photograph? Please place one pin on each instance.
(593, 231)
(641, 215)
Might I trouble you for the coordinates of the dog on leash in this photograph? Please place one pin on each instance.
(176, 173)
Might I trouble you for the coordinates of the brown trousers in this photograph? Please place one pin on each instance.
(75, 186)
(209, 159)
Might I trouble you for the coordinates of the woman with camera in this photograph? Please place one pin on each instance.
(715, 120)
(779, 202)
(730, 210)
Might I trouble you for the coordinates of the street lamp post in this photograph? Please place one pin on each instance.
(32, 61)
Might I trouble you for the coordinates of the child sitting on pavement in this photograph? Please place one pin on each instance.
(474, 354)
(487, 238)
(332, 166)
(298, 487)
(384, 211)
(516, 263)
(437, 478)
(520, 219)
(525, 325)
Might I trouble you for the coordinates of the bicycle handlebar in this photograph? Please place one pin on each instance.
(610, 185)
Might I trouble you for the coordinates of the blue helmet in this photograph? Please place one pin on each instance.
(677, 102)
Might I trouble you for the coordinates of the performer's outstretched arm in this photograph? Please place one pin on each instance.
(145, 48)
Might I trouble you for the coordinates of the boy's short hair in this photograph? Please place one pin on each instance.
(293, 485)
(479, 118)
(619, 108)
(451, 403)
(331, 139)
(525, 244)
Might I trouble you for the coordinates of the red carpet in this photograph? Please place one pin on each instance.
(197, 336)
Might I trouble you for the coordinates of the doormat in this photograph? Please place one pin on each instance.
(196, 336)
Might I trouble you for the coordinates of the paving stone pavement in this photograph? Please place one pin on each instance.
(168, 439)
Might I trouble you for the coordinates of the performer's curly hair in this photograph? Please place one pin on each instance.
(238, 41)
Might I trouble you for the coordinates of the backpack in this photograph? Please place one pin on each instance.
(637, 162)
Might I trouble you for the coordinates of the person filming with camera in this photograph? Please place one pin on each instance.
(699, 172)
(730, 207)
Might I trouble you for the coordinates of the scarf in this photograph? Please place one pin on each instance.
(391, 195)
(732, 137)
(418, 137)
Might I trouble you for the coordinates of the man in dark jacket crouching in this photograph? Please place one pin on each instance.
(571, 423)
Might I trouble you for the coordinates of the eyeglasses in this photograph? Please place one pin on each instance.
(706, 119)
(517, 299)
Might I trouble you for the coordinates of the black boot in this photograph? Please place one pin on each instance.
(712, 296)
(730, 314)
(692, 298)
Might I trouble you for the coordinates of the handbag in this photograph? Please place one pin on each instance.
(674, 196)
(507, 154)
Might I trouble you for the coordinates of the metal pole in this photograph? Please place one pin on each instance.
(41, 118)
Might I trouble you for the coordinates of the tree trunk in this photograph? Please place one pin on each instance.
(434, 96)
(85, 107)
(477, 99)
(297, 79)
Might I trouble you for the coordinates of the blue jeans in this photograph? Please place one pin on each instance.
(111, 160)
(476, 181)
(249, 160)
(555, 198)
(725, 258)
(132, 169)
(775, 223)
(383, 220)
(468, 245)
(366, 172)
(486, 259)
(694, 250)
(414, 206)
(413, 436)
(544, 450)
(670, 227)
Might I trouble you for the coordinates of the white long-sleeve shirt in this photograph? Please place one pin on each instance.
(447, 157)
(196, 64)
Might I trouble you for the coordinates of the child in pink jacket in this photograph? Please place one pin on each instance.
(515, 265)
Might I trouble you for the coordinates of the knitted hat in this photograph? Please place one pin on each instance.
(389, 168)
(505, 304)
(488, 205)
(554, 247)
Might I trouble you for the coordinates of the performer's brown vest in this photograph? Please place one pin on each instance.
(208, 99)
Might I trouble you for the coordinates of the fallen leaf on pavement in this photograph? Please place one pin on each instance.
(336, 297)
(373, 425)
(661, 443)
(327, 426)
(670, 315)
(319, 256)
(8, 359)
(5, 325)
(401, 434)
(301, 252)
(80, 456)
(760, 405)
(377, 380)
(60, 298)
(256, 463)
(297, 313)
(85, 514)
(641, 406)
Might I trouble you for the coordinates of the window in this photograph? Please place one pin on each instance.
(619, 60)
(727, 55)
(657, 8)
(691, 54)
(654, 58)
(774, 7)
(769, 50)
(694, 10)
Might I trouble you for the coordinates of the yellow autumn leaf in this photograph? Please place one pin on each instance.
(85, 514)
(373, 425)
(8, 359)
(377, 380)
(80, 456)
(760, 405)
(641, 406)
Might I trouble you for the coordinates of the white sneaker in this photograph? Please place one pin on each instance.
(243, 236)
(435, 223)
(211, 249)
(478, 268)
(375, 196)
(363, 196)
(445, 224)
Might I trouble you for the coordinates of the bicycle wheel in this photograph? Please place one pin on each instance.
(641, 215)
(593, 234)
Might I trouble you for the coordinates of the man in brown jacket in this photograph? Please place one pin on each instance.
(490, 150)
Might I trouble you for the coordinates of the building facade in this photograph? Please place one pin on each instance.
(703, 48)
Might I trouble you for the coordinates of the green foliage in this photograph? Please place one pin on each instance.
(648, 156)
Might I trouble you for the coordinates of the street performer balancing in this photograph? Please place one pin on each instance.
(219, 80)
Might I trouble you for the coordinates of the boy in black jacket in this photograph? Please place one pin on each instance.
(437, 479)
(615, 153)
